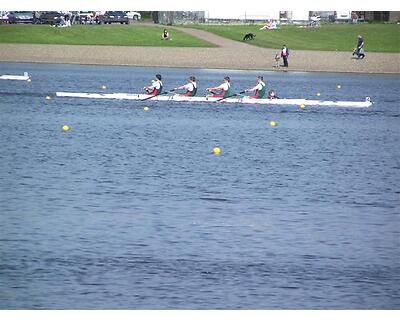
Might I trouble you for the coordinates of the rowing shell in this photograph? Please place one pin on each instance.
(178, 98)
(25, 77)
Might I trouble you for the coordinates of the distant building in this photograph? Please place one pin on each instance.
(257, 16)
(177, 17)
(388, 16)
(239, 16)
(297, 16)
(227, 16)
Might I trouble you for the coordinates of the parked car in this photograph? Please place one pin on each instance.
(113, 16)
(20, 17)
(325, 15)
(3, 17)
(133, 15)
(50, 17)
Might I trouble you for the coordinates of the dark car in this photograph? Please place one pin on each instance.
(113, 16)
(50, 17)
(20, 17)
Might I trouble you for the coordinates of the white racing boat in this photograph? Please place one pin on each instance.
(25, 77)
(178, 98)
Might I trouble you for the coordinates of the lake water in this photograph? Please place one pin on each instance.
(131, 210)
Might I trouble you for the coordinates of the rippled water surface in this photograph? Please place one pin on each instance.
(130, 209)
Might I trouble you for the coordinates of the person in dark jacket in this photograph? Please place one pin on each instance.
(360, 47)
(285, 55)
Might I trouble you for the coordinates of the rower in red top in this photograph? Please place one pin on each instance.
(224, 89)
(156, 86)
(190, 87)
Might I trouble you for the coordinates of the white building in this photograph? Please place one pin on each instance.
(238, 15)
(243, 16)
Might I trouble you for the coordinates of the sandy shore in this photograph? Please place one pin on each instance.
(229, 55)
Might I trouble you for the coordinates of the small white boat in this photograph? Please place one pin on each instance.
(178, 98)
(25, 77)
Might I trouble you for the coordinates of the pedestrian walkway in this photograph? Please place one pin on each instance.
(228, 55)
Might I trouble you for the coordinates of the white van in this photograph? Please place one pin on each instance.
(343, 16)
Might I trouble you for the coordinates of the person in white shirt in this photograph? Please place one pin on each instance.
(260, 89)
(190, 87)
(156, 86)
(224, 89)
(270, 26)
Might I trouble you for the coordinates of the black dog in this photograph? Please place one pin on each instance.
(249, 36)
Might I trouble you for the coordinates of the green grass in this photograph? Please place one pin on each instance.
(329, 37)
(113, 35)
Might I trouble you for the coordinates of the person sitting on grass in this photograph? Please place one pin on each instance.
(165, 35)
(271, 25)
(64, 22)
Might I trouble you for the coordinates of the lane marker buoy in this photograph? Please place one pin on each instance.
(216, 150)
(66, 128)
(272, 124)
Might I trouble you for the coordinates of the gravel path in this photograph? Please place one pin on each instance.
(229, 55)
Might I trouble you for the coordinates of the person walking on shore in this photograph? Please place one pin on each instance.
(224, 89)
(156, 86)
(190, 87)
(285, 55)
(360, 47)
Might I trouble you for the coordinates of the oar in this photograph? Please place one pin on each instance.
(233, 95)
(156, 95)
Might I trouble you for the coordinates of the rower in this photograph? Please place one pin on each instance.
(190, 87)
(259, 89)
(272, 95)
(156, 86)
(224, 88)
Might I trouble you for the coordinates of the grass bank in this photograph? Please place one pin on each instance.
(112, 35)
(329, 37)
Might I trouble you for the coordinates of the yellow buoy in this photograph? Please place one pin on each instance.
(29, 80)
(216, 150)
(272, 124)
(146, 108)
(338, 86)
(48, 98)
(302, 106)
(65, 128)
(104, 87)
(318, 94)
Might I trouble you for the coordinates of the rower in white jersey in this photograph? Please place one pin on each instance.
(156, 86)
(224, 89)
(190, 87)
(260, 89)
